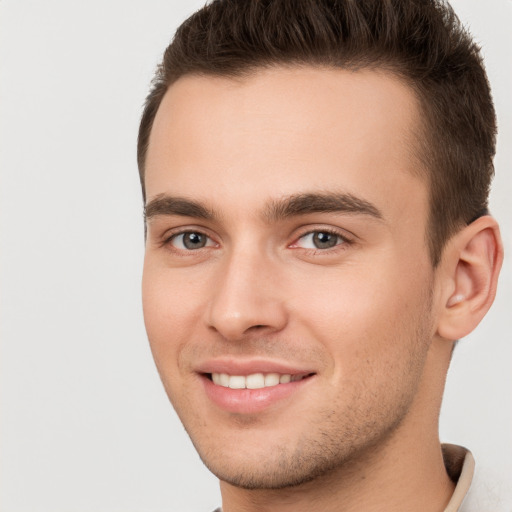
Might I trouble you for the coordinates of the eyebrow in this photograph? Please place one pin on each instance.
(168, 205)
(277, 209)
(331, 202)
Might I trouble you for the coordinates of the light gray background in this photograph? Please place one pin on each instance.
(85, 423)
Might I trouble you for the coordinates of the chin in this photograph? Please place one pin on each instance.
(261, 476)
(281, 465)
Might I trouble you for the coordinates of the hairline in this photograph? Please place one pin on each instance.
(421, 139)
(250, 70)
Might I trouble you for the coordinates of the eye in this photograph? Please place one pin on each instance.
(320, 240)
(191, 240)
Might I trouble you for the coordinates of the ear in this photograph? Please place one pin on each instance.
(470, 267)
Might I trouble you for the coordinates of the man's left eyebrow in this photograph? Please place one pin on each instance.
(303, 204)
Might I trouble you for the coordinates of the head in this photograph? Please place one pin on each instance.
(420, 42)
(311, 191)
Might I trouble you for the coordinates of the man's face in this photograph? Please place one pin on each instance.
(286, 255)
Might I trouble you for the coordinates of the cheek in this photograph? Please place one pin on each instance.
(364, 315)
(171, 312)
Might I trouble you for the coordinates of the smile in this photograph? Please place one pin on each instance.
(251, 387)
(254, 380)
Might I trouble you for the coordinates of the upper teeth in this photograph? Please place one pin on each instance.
(253, 381)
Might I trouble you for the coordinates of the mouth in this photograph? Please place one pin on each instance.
(241, 392)
(255, 380)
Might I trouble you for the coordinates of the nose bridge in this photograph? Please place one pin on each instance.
(246, 295)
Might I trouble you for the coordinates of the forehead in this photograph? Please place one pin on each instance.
(284, 131)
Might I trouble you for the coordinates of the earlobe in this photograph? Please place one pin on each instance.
(471, 263)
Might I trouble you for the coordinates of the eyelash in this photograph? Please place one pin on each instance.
(342, 241)
(173, 236)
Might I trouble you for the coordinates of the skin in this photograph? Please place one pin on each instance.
(369, 317)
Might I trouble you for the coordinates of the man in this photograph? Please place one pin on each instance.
(315, 177)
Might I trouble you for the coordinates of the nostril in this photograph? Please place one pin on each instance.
(258, 327)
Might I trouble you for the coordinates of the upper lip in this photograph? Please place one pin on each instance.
(237, 366)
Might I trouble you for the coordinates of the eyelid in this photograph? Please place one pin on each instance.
(208, 243)
(346, 239)
(171, 234)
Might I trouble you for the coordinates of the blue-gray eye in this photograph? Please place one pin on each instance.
(320, 240)
(191, 240)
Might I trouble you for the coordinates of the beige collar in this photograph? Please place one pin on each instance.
(460, 466)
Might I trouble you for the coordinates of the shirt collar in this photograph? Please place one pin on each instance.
(460, 466)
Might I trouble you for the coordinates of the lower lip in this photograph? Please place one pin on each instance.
(250, 401)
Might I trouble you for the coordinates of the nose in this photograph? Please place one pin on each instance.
(247, 298)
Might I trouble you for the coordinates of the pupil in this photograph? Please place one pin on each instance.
(194, 240)
(324, 240)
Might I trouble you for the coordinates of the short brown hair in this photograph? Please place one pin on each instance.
(420, 41)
